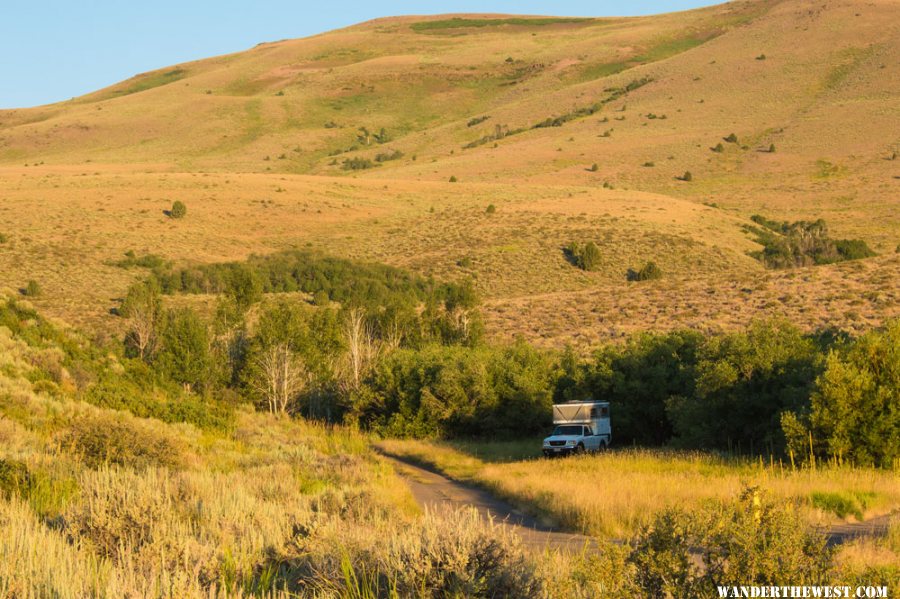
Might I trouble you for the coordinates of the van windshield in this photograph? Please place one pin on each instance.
(569, 429)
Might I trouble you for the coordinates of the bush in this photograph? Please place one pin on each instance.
(453, 179)
(595, 167)
(732, 138)
(718, 148)
(3, 238)
(648, 272)
(357, 164)
(771, 148)
(687, 176)
(752, 540)
(802, 243)
(32, 289)
(387, 156)
(179, 210)
(585, 256)
(15, 479)
(491, 209)
(106, 438)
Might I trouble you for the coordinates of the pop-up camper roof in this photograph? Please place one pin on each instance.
(580, 412)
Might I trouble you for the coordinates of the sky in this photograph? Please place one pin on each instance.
(59, 49)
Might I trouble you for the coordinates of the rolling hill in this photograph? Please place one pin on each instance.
(573, 129)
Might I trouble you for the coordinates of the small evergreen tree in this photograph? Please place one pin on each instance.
(32, 289)
(179, 210)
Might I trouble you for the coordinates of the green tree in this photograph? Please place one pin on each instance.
(855, 409)
(184, 354)
(179, 210)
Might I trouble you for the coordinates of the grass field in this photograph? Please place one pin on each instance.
(613, 494)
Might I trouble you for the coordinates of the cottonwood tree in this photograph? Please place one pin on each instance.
(143, 308)
(362, 347)
(280, 376)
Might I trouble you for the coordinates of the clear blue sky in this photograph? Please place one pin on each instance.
(58, 49)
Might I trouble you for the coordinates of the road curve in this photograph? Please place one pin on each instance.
(434, 491)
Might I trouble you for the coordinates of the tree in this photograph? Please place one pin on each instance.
(279, 376)
(143, 308)
(855, 411)
(179, 210)
(245, 287)
(362, 349)
(184, 353)
(590, 256)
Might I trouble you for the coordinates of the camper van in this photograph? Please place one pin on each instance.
(579, 426)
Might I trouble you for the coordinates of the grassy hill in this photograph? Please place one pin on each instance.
(574, 129)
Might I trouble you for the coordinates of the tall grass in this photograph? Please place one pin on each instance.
(615, 493)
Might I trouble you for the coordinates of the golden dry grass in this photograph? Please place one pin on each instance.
(615, 493)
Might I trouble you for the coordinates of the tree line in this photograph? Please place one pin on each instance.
(405, 356)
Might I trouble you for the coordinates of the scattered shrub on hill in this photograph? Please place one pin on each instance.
(477, 120)
(802, 243)
(385, 157)
(357, 164)
(648, 272)
(771, 148)
(146, 261)
(585, 256)
(32, 289)
(719, 148)
(178, 210)
(3, 238)
(649, 164)
(595, 167)
(687, 176)
(732, 138)
(491, 209)
(761, 57)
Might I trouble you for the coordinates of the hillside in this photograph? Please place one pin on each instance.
(258, 145)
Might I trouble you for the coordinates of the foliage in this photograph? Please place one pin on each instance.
(744, 381)
(585, 256)
(459, 22)
(451, 391)
(749, 541)
(638, 379)
(387, 156)
(357, 164)
(855, 409)
(648, 272)
(803, 243)
(179, 210)
(184, 353)
(15, 479)
(101, 439)
(32, 289)
(132, 260)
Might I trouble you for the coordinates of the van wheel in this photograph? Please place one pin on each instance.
(580, 449)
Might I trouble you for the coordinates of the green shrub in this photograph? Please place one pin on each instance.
(3, 238)
(477, 120)
(732, 138)
(687, 176)
(453, 179)
(649, 164)
(751, 539)
(771, 148)
(718, 148)
(179, 210)
(100, 439)
(595, 167)
(491, 209)
(146, 261)
(387, 156)
(356, 164)
(842, 504)
(15, 479)
(802, 243)
(32, 289)
(585, 256)
(648, 272)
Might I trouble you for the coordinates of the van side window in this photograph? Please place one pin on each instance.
(593, 412)
(604, 412)
(587, 432)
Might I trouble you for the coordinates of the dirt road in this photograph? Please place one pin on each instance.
(431, 490)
